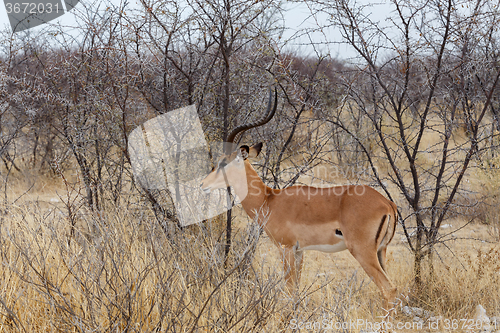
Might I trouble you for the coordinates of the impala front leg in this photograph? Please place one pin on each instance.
(293, 259)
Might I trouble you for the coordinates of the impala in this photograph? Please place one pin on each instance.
(300, 218)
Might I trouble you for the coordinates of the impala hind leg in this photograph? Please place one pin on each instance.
(372, 262)
(381, 254)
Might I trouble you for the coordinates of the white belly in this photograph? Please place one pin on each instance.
(329, 248)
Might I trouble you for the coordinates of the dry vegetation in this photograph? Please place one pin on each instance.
(121, 272)
(415, 113)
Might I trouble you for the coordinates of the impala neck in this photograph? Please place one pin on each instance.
(255, 199)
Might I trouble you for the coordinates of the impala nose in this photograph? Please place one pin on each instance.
(206, 190)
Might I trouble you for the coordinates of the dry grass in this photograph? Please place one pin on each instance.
(127, 275)
(121, 273)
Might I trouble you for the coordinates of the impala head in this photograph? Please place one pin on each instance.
(230, 167)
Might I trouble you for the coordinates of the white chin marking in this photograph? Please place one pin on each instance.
(328, 248)
(206, 190)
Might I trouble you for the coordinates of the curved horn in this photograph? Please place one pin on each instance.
(265, 119)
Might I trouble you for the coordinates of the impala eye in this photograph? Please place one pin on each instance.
(222, 164)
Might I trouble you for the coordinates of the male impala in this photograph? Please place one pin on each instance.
(298, 218)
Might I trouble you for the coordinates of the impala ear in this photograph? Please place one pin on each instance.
(255, 150)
